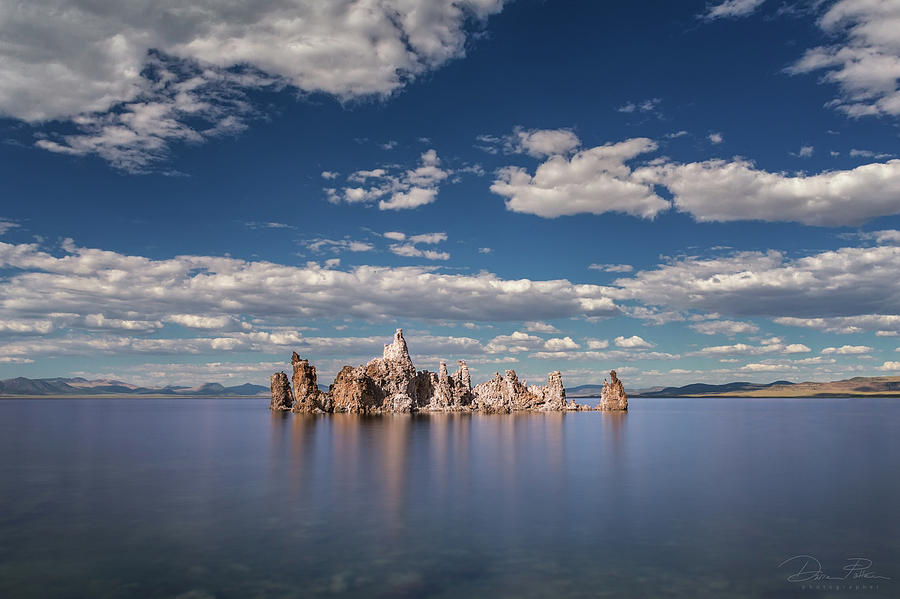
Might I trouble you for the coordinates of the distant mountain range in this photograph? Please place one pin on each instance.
(879, 386)
(80, 387)
(876, 386)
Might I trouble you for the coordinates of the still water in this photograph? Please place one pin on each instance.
(219, 498)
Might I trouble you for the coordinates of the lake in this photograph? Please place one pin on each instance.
(220, 498)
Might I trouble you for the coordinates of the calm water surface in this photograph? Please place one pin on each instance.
(219, 498)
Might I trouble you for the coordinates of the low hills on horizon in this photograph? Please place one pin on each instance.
(879, 386)
(860, 386)
(81, 387)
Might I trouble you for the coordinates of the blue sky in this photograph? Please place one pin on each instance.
(681, 191)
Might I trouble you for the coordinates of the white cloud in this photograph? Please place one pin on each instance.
(730, 9)
(516, 342)
(597, 343)
(410, 251)
(561, 344)
(773, 345)
(645, 106)
(629, 355)
(330, 175)
(865, 63)
(27, 326)
(407, 200)
(632, 342)
(717, 190)
(268, 225)
(94, 56)
(541, 143)
(805, 151)
(890, 367)
(715, 138)
(724, 327)
(338, 245)
(393, 188)
(428, 238)
(131, 291)
(593, 181)
(485, 250)
(885, 237)
(195, 321)
(538, 143)
(856, 282)
(848, 350)
(885, 325)
(6, 225)
(869, 154)
(612, 267)
(765, 367)
(540, 327)
(182, 103)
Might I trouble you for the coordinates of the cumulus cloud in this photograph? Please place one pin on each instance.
(91, 288)
(887, 236)
(851, 281)
(883, 324)
(595, 181)
(629, 355)
(730, 9)
(409, 247)
(719, 190)
(597, 343)
(715, 138)
(516, 342)
(865, 63)
(767, 367)
(847, 350)
(540, 327)
(539, 143)
(561, 344)
(94, 60)
(890, 367)
(773, 345)
(631, 342)
(392, 188)
(598, 180)
(408, 250)
(724, 327)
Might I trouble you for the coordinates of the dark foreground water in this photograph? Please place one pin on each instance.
(219, 498)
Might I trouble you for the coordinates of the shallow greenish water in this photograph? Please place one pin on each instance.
(220, 498)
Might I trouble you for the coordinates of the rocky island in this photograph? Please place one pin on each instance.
(392, 384)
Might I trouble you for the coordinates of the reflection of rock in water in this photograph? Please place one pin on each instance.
(392, 384)
(612, 397)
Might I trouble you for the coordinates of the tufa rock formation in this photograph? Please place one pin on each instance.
(282, 398)
(309, 397)
(392, 384)
(613, 397)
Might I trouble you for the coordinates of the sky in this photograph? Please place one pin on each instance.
(681, 191)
